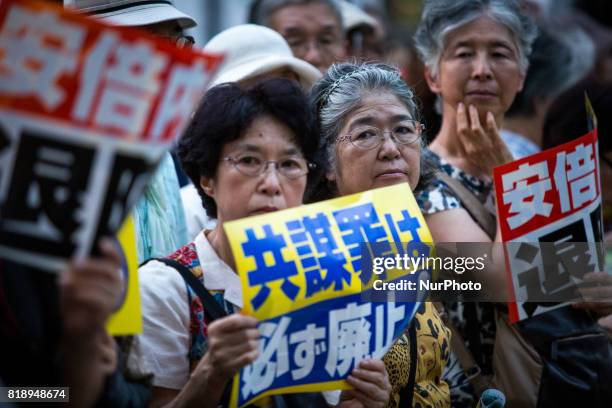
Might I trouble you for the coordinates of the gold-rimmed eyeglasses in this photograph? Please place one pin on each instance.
(406, 132)
(253, 166)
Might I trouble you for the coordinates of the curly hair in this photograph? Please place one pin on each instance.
(335, 97)
(225, 114)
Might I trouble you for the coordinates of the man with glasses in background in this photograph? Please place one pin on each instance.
(313, 28)
(160, 18)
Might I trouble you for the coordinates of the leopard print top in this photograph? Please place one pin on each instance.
(433, 348)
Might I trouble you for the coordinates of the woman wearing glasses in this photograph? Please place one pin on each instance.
(371, 137)
(247, 152)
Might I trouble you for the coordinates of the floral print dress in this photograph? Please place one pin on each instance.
(474, 321)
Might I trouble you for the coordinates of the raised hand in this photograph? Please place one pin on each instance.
(481, 146)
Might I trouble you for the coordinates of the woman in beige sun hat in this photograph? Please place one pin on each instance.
(253, 52)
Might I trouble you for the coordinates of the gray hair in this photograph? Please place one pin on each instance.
(341, 90)
(440, 17)
(261, 10)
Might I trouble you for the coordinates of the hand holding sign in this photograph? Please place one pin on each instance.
(233, 342)
(371, 386)
(596, 289)
(89, 291)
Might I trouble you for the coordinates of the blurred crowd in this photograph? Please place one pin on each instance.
(317, 99)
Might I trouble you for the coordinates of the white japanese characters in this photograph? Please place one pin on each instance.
(325, 347)
(37, 50)
(573, 183)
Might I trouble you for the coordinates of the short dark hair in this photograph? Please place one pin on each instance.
(225, 114)
(567, 118)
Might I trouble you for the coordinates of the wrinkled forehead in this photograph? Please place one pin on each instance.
(380, 107)
(282, 147)
(482, 29)
(305, 17)
(266, 134)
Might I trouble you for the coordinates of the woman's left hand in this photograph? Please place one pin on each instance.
(371, 386)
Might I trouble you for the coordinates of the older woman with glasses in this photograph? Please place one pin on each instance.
(372, 137)
(248, 152)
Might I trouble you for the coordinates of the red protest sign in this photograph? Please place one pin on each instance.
(122, 82)
(548, 204)
(86, 112)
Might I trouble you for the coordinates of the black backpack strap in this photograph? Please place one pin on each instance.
(407, 393)
(211, 306)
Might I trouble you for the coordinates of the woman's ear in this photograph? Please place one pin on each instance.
(330, 175)
(432, 81)
(208, 185)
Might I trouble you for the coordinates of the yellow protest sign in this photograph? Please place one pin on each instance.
(128, 317)
(305, 272)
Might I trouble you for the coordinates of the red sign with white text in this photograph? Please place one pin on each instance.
(549, 200)
(86, 112)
